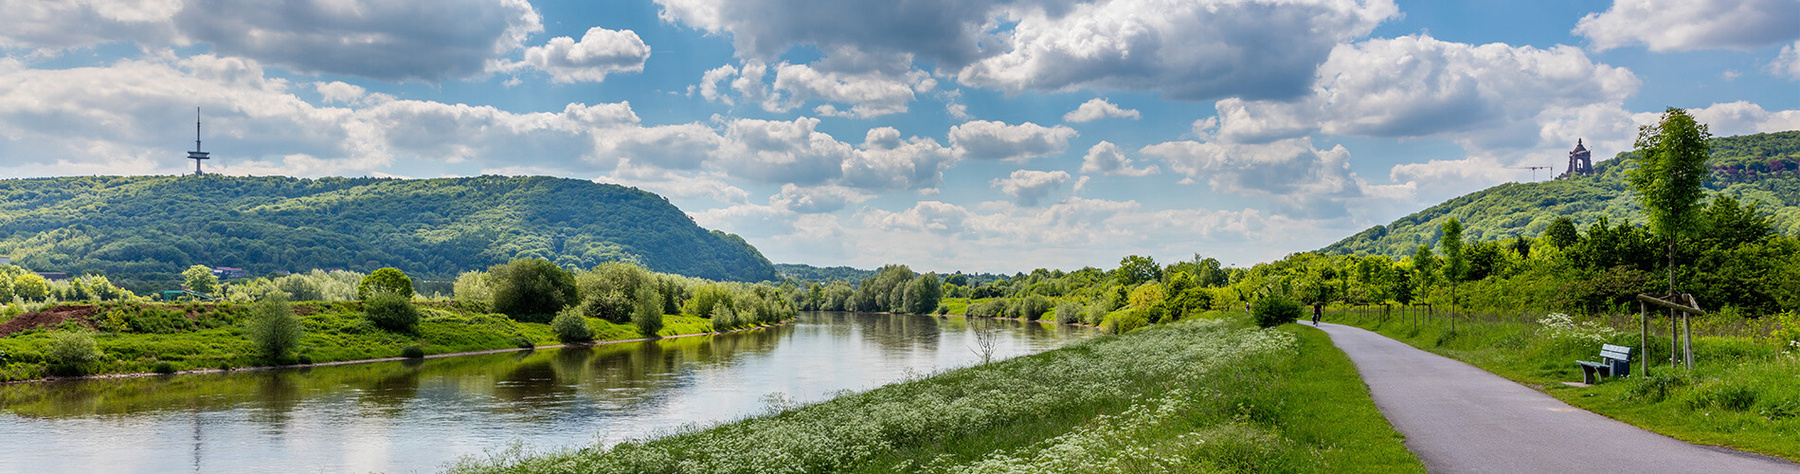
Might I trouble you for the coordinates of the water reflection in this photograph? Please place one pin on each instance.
(417, 415)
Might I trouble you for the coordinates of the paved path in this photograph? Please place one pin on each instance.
(1459, 418)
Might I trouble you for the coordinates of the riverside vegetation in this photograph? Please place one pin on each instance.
(1205, 394)
(345, 316)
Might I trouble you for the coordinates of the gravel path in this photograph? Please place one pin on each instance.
(1459, 418)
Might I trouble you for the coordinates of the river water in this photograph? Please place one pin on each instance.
(417, 416)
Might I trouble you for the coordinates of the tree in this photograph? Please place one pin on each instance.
(72, 353)
(571, 327)
(1671, 170)
(1455, 263)
(273, 328)
(922, 294)
(32, 287)
(531, 289)
(649, 315)
(1561, 233)
(1134, 270)
(391, 311)
(1274, 310)
(200, 279)
(390, 280)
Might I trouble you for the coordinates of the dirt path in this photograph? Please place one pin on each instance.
(1459, 418)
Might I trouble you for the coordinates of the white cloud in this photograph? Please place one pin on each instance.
(886, 162)
(1105, 158)
(814, 200)
(1682, 25)
(782, 151)
(600, 52)
(869, 86)
(1097, 109)
(1186, 50)
(1302, 179)
(1736, 118)
(991, 140)
(1788, 63)
(1028, 187)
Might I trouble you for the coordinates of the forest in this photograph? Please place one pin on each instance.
(141, 231)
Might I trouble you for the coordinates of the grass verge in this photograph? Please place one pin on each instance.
(136, 337)
(1194, 396)
(1743, 393)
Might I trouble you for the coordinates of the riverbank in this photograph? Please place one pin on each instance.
(1743, 393)
(200, 338)
(1200, 395)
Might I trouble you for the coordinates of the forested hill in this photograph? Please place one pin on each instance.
(148, 228)
(1762, 168)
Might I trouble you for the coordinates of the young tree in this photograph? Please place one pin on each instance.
(200, 279)
(1671, 157)
(649, 314)
(32, 287)
(390, 280)
(1561, 233)
(531, 289)
(1455, 263)
(273, 327)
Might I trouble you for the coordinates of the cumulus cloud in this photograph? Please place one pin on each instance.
(1097, 109)
(1105, 158)
(887, 162)
(1487, 96)
(1302, 179)
(992, 140)
(869, 87)
(1683, 25)
(1788, 63)
(426, 41)
(1736, 118)
(1186, 50)
(1028, 187)
(816, 200)
(600, 52)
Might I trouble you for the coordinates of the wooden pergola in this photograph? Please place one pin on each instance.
(1674, 303)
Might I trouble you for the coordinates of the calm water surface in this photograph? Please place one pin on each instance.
(416, 416)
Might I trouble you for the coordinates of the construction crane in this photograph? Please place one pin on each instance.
(1533, 170)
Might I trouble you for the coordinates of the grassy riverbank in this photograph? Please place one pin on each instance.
(1200, 395)
(1743, 393)
(137, 337)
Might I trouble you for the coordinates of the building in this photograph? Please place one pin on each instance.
(1581, 162)
(5, 260)
(228, 272)
(53, 276)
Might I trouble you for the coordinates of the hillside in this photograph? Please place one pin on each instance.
(1762, 168)
(143, 230)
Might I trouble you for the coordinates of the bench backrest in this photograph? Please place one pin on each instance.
(1613, 352)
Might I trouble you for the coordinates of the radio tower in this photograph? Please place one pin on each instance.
(197, 155)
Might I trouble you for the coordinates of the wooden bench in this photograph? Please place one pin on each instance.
(1615, 361)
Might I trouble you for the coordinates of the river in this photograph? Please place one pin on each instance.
(416, 416)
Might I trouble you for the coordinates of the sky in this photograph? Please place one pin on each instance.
(972, 135)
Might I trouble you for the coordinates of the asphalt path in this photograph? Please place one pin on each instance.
(1459, 418)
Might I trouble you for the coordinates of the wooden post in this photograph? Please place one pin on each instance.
(1644, 338)
(1674, 355)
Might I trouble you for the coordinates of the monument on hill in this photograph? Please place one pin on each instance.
(1581, 162)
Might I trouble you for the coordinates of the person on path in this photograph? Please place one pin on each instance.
(1317, 308)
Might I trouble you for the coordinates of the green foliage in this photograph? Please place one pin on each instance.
(1274, 310)
(921, 294)
(72, 353)
(413, 352)
(612, 306)
(1562, 233)
(1671, 171)
(144, 230)
(391, 312)
(31, 287)
(886, 291)
(300, 288)
(1121, 322)
(1134, 270)
(648, 317)
(473, 287)
(571, 327)
(199, 278)
(273, 328)
(531, 289)
(389, 280)
(1068, 312)
(163, 367)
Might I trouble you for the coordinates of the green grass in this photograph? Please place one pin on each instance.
(136, 336)
(1194, 396)
(1743, 393)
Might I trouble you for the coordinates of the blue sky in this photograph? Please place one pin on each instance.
(988, 135)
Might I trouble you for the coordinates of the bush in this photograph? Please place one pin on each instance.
(649, 314)
(391, 312)
(1124, 321)
(72, 353)
(163, 367)
(388, 280)
(523, 343)
(724, 319)
(1068, 312)
(413, 352)
(610, 306)
(1271, 311)
(303, 359)
(300, 288)
(531, 289)
(571, 327)
(273, 328)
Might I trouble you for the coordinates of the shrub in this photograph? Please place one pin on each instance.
(724, 319)
(1124, 321)
(386, 280)
(649, 314)
(303, 359)
(1656, 388)
(1068, 312)
(1033, 307)
(611, 306)
(391, 312)
(273, 328)
(72, 353)
(943, 310)
(413, 352)
(531, 289)
(300, 288)
(473, 287)
(523, 343)
(1271, 311)
(163, 367)
(32, 287)
(571, 327)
